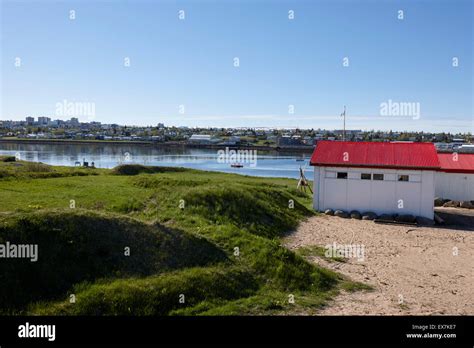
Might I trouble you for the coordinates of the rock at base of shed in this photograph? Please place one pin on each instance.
(341, 213)
(451, 204)
(329, 212)
(386, 217)
(369, 216)
(355, 215)
(466, 204)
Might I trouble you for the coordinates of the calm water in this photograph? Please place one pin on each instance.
(270, 164)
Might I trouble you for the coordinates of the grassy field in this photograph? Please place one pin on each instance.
(140, 240)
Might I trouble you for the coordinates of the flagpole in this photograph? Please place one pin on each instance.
(344, 129)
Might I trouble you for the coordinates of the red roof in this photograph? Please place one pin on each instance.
(456, 163)
(390, 155)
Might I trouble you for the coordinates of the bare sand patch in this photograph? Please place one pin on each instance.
(413, 270)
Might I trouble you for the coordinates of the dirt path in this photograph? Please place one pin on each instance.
(413, 269)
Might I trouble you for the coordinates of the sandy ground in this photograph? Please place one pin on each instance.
(414, 270)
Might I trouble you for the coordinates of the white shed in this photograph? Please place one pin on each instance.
(455, 180)
(381, 177)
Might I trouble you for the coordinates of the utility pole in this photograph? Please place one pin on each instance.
(344, 129)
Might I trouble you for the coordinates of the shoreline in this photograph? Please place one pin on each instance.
(305, 149)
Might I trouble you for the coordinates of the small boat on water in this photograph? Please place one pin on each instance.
(301, 158)
(236, 165)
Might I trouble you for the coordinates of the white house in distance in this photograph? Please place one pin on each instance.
(455, 180)
(202, 139)
(380, 177)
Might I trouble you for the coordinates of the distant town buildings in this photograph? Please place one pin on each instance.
(44, 121)
(290, 140)
(233, 140)
(46, 128)
(202, 139)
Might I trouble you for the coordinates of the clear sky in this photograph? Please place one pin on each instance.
(283, 62)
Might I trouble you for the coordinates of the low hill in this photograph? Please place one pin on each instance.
(76, 246)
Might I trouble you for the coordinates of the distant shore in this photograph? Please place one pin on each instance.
(302, 149)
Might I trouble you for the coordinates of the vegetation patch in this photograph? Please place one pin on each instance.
(212, 237)
(7, 158)
(135, 169)
(13, 169)
(152, 181)
(157, 295)
(319, 251)
(355, 286)
(263, 211)
(78, 246)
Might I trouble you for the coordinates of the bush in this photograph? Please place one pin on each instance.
(4, 173)
(7, 159)
(37, 167)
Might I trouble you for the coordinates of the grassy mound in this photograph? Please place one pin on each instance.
(157, 295)
(260, 210)
(12, 169)
(78, 246)
(135, 169)
(158, 182)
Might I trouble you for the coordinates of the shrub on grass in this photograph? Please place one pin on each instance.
(4, 173)
(37, 167)
(130, 205)
(7, 158)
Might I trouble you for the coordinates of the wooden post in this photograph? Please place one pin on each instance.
(303, 183)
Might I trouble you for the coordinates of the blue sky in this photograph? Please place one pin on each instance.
(283, 62)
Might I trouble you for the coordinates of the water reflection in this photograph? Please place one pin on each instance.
(109, 156)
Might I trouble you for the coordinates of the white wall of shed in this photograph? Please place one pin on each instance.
(454, 186)
(389, 196)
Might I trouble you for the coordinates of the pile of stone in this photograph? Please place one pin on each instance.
(341, 213)
(369, 216)
(440, 202)
(353, 214)
(394, 218)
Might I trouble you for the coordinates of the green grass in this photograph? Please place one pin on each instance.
(356, 286)
(213, 237)
(12, 169)
(75, 246)
(156, 295)
(319, 251)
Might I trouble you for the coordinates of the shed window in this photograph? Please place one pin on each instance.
(403, 178)
(342, 175)
(378, 177)
(365, 176)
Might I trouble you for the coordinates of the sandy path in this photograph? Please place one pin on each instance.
(412, 265)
